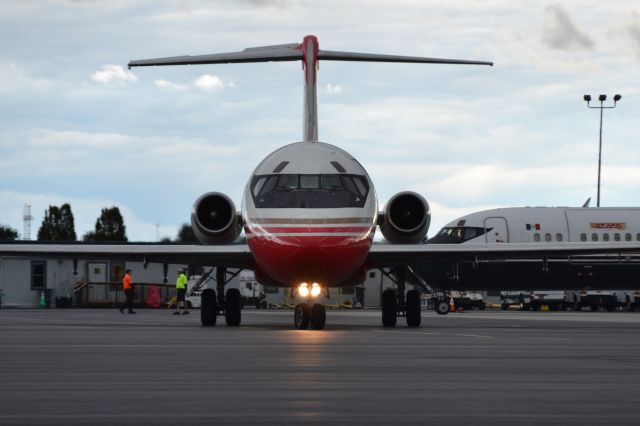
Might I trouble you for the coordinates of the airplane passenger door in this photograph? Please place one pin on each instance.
(496, 230)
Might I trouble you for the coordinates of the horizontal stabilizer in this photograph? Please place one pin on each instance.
(371, 57)
(292, 52)
(284, 52)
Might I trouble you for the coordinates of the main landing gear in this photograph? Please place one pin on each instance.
(229, 304)
(309, 316)
(395, 304)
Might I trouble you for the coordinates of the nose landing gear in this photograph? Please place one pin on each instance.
(310, 316)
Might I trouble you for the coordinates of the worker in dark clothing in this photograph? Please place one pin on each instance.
(127, 286)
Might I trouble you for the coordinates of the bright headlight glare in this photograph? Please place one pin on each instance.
(303, 290)
(315, 289)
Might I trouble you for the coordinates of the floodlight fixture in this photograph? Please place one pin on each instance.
(601, 107)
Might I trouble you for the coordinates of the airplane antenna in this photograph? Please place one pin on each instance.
(586, 203)
(309, 53)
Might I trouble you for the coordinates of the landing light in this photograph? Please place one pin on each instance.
(315, 290)
(306, 290)
(303, 290)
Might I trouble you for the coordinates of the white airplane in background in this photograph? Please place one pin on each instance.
(309, 213)
(542, 226)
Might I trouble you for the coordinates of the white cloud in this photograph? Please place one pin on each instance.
(113, 74)
(205, 83)
(209, 82)
(15, 78)
(165, 84)
(333, 88)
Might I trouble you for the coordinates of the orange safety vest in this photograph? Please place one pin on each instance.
(126, 282)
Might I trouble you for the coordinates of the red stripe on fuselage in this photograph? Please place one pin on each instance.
(309, 229)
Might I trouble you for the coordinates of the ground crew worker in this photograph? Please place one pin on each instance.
(127, 286)
(181, 287)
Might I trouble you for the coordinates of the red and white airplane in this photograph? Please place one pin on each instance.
(309, 213)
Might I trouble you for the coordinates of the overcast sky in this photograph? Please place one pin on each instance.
(76, 126)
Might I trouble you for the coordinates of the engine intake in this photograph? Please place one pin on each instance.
(406, 218)
(214, 219)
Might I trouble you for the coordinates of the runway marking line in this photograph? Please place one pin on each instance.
(435, 334)
(475, 335)
(407, 332)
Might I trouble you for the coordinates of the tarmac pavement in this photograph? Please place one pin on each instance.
(78, 367)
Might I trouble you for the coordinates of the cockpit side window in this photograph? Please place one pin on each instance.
(361, 185)
(457, 234)
(257, 186)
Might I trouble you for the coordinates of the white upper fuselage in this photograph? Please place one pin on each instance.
(544, 224)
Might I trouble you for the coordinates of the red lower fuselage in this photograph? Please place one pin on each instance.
(325, 255)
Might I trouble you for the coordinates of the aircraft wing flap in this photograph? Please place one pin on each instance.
(387, 255)
(233, 256)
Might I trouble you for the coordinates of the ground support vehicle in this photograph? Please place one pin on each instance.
(596, 299)
(521, 299)
(552, 300)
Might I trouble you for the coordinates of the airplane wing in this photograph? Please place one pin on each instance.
(380, 255)
(232, 256)
(389, 255)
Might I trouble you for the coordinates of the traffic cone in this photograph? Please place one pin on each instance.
(452, 306)
(42, 301)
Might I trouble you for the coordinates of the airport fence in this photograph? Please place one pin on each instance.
(110, 294)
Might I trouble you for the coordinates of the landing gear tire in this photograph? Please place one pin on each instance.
(413, 308)
(442, 307)
(233, 307)
(208, 307)
(318, 317)
(301, 317)
(389, 308)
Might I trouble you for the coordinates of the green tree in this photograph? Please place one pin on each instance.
(186, 234)
(109, 227)
(7, 233)
(57, 224)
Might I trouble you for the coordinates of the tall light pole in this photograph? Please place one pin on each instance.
(601, 98)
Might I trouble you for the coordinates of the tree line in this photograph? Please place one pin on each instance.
(58, 225)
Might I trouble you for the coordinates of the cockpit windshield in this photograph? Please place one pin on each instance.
(457, 234)
(309, 191)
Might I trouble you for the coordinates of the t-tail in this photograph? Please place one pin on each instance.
(309, 53)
